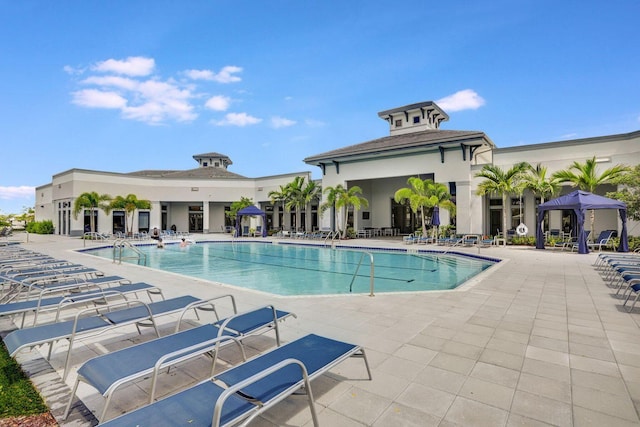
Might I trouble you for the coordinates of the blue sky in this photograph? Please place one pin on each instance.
(129, 85)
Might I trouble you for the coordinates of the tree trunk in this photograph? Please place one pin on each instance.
(504, 217)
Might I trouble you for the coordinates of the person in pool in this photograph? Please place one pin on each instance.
(155, 234)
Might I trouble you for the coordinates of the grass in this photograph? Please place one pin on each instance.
(18, 396)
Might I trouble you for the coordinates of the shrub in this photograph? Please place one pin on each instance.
(634, 243)
(40, 227)
(523, 240)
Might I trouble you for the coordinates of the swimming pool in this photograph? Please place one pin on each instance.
(287, 269)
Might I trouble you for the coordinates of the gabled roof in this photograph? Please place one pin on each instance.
(198, 173)
(414, 141)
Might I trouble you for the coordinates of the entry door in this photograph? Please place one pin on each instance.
(402, 217)
(495, 221)
(195, 222)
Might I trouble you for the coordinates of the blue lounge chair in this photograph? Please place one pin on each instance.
(135, 313)
(108, 372)
(25, 290)
(604, 239)
(249, 388)
(17, 283)
(58, 302)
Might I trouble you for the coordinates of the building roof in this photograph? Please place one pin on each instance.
(427, 105)
(212, 154)
(198, 173)
(429, 139)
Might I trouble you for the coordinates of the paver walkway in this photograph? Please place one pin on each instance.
(539, 340)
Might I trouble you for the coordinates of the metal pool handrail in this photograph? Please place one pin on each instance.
(371, 270)
(118, 249)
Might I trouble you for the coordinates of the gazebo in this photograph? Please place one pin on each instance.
(251, 211)
(581, 201)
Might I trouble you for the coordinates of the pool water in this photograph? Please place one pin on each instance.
(286, 269)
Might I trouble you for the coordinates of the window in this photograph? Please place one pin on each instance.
(119, 222)
(205, 164)
(517, 212)
(365, 215)
(416, 120)
(143, 221)
(399, 123)
(216, 164)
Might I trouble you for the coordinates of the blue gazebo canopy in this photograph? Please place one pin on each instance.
(251, 211)
(581, 201)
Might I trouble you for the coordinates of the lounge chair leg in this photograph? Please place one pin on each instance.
(73, 394)
(634, 302)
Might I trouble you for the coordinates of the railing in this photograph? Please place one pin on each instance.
(371, 275)
(119, 247)
(92, 235)
(332, 235)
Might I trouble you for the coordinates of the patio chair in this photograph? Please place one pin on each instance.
(603, 239)
(35, 306)
(245, 231)
(249, 388)
(135, 312)
(24, 289)
(574, 241)
(108, 372)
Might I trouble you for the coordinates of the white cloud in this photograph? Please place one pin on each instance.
(114, 81)
(466, 99)
(93, 98)
(130, 86)
(132, 66)
(226, 75)
(21, 192)
(281, 122)
(238, 119)
(314, 123)
(569, 136)
(218, 103)
(72, 70)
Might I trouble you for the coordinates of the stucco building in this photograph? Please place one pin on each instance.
(195, 200)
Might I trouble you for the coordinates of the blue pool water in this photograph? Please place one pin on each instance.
(285, 269)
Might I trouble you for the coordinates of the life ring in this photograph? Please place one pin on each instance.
(522, 230)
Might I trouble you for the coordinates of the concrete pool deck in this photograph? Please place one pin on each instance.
(539, 340)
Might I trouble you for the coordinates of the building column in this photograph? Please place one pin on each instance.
(470, 218)
(205, 216)
(155, 216)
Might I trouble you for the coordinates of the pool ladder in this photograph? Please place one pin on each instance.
(119, 247)
(371, 275)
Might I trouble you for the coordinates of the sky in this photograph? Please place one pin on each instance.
(127, 85)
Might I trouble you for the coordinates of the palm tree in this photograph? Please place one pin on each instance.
(540, 184)
(129, 204)
(295, 198)
(440, 197)
(503, 183)
(419, 197)
(585, 176)
(279, 196)
(92, 201)
(350, 197)
(332, 196)
(310, 193)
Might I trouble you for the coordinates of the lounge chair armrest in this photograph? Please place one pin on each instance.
(187, 353)
(217, 413)
(202, 303)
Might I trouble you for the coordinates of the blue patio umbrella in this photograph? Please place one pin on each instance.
(435, 220)
(435, 216)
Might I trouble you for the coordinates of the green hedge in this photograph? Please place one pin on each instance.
(40, 227)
